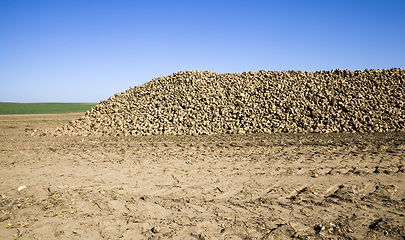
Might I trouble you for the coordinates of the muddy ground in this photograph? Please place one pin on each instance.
(268, 186)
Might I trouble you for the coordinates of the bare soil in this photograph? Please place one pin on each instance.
(252, 186)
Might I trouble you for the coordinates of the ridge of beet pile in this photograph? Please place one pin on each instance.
(203, 102)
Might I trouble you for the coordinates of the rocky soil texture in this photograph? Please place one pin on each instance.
(195, 102)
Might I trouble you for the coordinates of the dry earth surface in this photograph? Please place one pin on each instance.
(251, 186)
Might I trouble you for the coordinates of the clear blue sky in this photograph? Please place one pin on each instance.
(86, 51)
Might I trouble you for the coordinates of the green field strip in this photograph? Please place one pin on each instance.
(43, 108)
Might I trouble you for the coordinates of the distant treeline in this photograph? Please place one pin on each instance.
(39, 108)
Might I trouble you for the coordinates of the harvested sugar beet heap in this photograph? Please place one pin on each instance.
(196, 102)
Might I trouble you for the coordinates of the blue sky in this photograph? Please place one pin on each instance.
(86, 51)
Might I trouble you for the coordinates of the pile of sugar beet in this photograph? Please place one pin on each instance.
(203, 102)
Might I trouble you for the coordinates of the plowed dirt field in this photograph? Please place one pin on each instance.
(254, 186)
